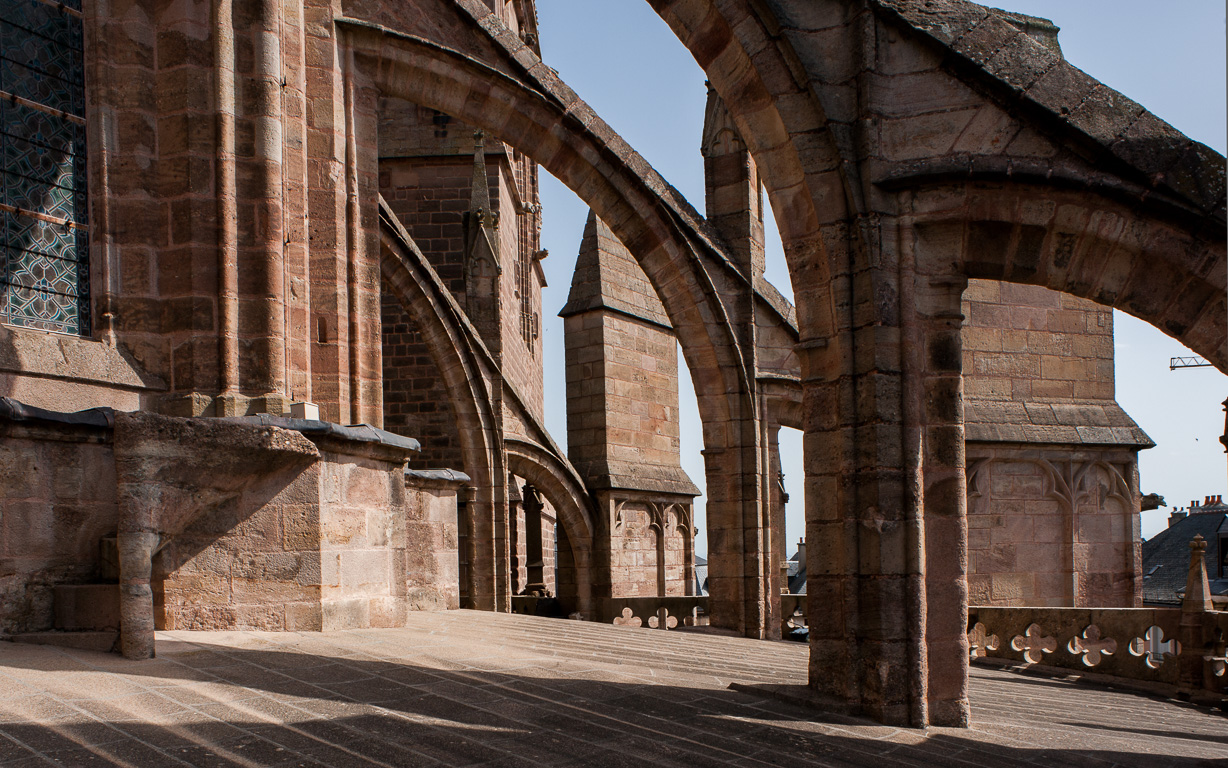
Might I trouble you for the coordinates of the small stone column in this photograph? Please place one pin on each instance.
(137, 546)
(516, 537)
(534, 557)
(778, 566)
(1193, 629)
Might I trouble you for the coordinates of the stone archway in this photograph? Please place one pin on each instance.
(906, 147)
(547, 122)
(464, 370)
(560, 484)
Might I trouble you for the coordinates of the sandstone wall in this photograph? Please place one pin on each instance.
(1055, 527)
(227, 269)
(1025, 342)
(1053, 508)
(57, 500)
(633, 556)
(649, 551)
(343, 544)
(426, 174)
(432, 547)
(364, 552)
(416, 402)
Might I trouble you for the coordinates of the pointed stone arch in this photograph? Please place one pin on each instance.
(865, 118)
(541, 117)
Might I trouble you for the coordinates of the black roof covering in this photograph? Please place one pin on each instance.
(1166, 556)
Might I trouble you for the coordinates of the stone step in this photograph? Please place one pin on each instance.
(86, 607)
(103, 642)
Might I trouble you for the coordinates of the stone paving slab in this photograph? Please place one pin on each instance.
(464, 688)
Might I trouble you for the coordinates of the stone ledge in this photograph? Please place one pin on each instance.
(316, 429)
(625, 476)
(437, 478)
(40, 354)
(1074, 423)
(94, 418)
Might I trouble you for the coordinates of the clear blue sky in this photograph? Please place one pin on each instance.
(1169, 56)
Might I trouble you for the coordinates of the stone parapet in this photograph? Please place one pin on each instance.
(432, 538)
(1146, 645)
(57, 500)
(241, 523)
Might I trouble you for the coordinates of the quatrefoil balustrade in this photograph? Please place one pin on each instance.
(628, 619)
(670, 621)
(1034, 644)
(1218, 659)
(1090, 646)
(1153, 647)
(980, 642)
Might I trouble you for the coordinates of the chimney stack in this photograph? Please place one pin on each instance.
(1176, 516)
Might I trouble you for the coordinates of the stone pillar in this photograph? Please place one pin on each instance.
(934, 392)
(516, 518)
(534, 558)
(886, 502)
(743, 572)
(465, 544)
(739, 557)
(777, 559)
(137, 544)
(733, 190)
(622, 421)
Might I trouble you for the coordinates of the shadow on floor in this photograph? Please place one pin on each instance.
(221, 705)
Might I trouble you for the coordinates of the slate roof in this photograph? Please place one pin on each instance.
(701, 575)
(797, 575)
(1166, 556)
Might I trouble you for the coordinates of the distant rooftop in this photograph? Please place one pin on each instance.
(1166, 556)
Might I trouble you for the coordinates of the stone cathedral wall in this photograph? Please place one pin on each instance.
(1052, 460)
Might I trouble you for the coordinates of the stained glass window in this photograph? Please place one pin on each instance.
(44, 246)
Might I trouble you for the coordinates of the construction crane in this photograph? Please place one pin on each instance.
(1187, 362)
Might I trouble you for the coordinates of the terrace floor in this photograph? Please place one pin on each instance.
(469, 688)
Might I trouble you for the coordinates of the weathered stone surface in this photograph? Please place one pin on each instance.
(343, 699)
(907, 146)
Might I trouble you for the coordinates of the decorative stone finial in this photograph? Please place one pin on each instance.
(1197, 587)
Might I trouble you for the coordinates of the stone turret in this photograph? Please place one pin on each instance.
(622, 419)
